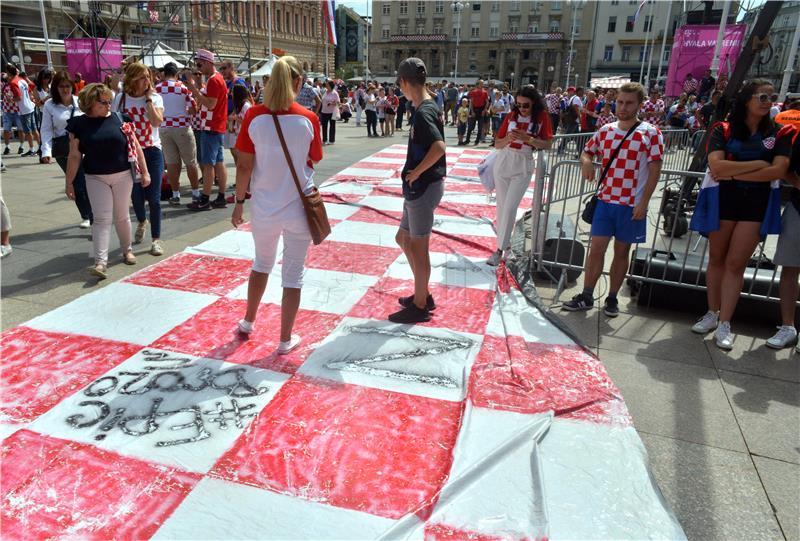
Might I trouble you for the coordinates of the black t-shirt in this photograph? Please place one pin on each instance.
(427, 127)
(706, 111)
(102, 143)
(757, 147)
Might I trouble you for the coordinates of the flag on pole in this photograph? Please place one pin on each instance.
(329, 9)
(153, 16)
(639, 9)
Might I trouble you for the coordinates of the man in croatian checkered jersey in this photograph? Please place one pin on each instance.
(177, 137)
(621, 210)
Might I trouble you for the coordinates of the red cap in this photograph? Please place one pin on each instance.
(571, 89)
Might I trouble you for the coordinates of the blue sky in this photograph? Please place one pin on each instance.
(360, 6)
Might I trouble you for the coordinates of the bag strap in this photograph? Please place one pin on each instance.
(289, 160)
(614, 157)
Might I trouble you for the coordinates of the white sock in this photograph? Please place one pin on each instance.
(176, 194)
(196, 193)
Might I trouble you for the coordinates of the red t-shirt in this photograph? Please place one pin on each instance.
(542, 128)
(478, 97)
(15, 88)
(590, 105)
(216, 88)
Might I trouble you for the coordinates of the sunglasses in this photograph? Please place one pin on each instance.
(765, 98)
(524, 105)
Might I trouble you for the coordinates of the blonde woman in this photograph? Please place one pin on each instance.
(140, 101)
(264, 171)
(98, 142)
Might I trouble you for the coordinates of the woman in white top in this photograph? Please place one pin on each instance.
(56, 112)
(277, 210)
(145, 106)
(329, 105)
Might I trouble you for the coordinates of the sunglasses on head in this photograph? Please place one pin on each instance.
(764, 98)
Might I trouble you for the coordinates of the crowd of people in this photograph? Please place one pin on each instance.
(120, 142)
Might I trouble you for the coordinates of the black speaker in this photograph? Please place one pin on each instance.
(561, 245)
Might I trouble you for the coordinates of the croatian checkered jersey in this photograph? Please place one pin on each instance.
(136, 108)
(553, 103)
(627, 176)
(649, 109)
(177, 100)
(9, 104)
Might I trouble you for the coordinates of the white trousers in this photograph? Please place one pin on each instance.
(358, 114)
(512, 176)
(296, 238)
(110, 196)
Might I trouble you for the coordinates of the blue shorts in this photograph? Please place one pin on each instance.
(10, 120)
(211, 148)
(28, 122)
(612, 220)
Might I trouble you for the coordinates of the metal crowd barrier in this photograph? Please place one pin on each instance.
(560, 240)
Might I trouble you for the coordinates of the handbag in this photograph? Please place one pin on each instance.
(486, 171)
(588, 210)
(318, 224)
(337, 114)
(60, 145)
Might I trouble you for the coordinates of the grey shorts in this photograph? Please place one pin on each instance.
(418, 213)
(788, 251)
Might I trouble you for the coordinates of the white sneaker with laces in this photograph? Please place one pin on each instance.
(245, 327)
(289, 345)
(723, 336)
(786, 336)
(707, 323)
(85, 224)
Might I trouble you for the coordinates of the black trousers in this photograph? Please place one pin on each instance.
(372, 122)
(81, 195)
(328, 127)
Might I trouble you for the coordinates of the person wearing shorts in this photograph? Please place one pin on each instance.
(423, 187)
(627, 187)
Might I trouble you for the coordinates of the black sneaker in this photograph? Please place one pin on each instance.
(201, 204)
(219, 202)
(20, 151)
(7, 151)
(611, 308)
(579, 302)
(408, 301)
(410, 314)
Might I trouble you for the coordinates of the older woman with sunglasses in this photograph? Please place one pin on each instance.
(99, 144)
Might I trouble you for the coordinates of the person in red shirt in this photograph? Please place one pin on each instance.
(525, 129)
(588, 114)
(478, 109)
(214, 103)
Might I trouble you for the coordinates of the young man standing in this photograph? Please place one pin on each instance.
(630, 180)
(423, 187)
(478, 101)
(214, 104)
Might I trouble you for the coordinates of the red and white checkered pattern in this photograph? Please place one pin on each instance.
(177, 100)
(9, 104)
(553, 102)
(136, 109)
(202, 116)
(604, 119)
(648, 109)
(137, 411)
(627, 176)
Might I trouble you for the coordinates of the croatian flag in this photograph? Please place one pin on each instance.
(329, 8)
(639, 10)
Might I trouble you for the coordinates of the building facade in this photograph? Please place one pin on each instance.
(352, 30)
(519, 42)
(236, 29)
(773, 62)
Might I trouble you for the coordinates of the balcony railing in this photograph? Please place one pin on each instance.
(419, 37)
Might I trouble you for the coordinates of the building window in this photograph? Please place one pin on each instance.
(297, 24)
(608, 53)
(403, 7)
(514, 5)
(513, 27)
(644, 53)
(612, 24)
(554, 26)
(533, 27)
(629, 23)
(476, 6)
(457, 32)
(385, 31)
(495, 6)
(305, 25)
(473, 68)
(648, 23)
(278, 20)
(667, 51)
(626, 53)
(555, 6)
(494, 30)
(614, 2)
(203, 11)
(386, 8)
(473, 54)
(421, 8)
(437, 28)
(421, 28)
(526, 54)
(438, 7)
(492, 54)
(258, 16)
(577, 28)
(476, 31)
(402, 28)
(385, 53)
(314, 26)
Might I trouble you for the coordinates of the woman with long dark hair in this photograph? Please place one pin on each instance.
(242, 101)
(525, 129)
(739, 202)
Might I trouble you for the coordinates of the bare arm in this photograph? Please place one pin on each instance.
(778, 169)
(73, 160)
(722, 168)
(653, 172)
(244, 170)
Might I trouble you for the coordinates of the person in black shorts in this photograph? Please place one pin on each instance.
(746, 156)
(423, 188)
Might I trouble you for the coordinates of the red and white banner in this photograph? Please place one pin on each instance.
(329, 10)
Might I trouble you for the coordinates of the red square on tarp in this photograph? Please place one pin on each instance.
(457, 308)
(42, 368)
(513, 375)
(212, 333)
(53, 488)
(210, 274)
(354, 258)
(350, 446)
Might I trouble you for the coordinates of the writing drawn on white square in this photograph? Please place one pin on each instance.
(327, 291)
(450, 269)
(364, 233)
(232, 243)
(423, 361)
(124, 312)
(165, 407)
(244, 512)
(464, 198)
(513, 315)
(456, 225)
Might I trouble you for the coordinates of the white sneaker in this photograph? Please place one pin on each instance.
(245, 327)
(5, 250)
(157, 248)
(723, 336)
(707, 323)
(85, 224)
(786, 336)
(289, 345)
(495, 258)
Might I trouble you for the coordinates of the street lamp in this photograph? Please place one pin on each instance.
(458, 7)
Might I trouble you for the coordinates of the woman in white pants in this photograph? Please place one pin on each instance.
(98, 142)
(277, 210)
(525, 129)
